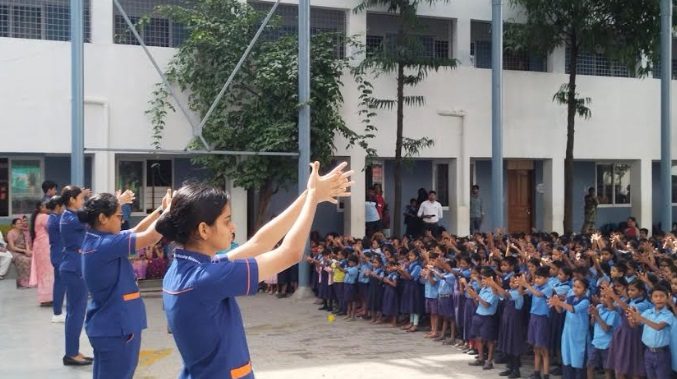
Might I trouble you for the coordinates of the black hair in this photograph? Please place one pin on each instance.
(543, 272)
(102, 203)
(68, 193)
(661, 288)
(581, 271)
(558, 264)
(15, 220)
(475, 186)
(584, 282)
(567, 271)
(192, 205)
(48, 185)
(54, 202)
(637, 284)
(621, 281)
(487, 272)
(621, 267)
(432, 192)
(353, 259)
(34, 215)
(535, 261)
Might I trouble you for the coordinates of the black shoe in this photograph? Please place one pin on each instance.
(488, 366)
(501, 359)
(515, 374)
(505, 373)
(477, 363)
(535, 376)
(322, 308)
(69, 361)
(556, 371)
(88, 358)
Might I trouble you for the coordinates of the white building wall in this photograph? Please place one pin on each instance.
(35, 98)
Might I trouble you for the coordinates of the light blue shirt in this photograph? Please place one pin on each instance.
(351, 275)
(430, 288)
(561, 288)
(415, 270)
(363, 278)
(517, 298)
(539, 305)
(445, 287)
(488, 295)
(474, 285)
(653, 338)
(601, 339)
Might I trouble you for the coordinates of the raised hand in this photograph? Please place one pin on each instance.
(332, 185)
(167, 199)
(126, 197)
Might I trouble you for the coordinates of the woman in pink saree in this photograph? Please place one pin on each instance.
(42, 273)
(19, 244)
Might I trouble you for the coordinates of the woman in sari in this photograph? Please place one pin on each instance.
(42, 273)
(19, 244)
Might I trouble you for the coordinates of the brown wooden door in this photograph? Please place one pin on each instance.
(520, 201)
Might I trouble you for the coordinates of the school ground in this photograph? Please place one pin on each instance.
(287, 340)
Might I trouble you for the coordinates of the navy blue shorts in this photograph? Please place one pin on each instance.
(484, 327)
(597, 358)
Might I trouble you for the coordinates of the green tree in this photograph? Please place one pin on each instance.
(260, 110)
(620, 30)
(406, 56)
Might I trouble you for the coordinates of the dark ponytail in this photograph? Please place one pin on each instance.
(54, 202)
(192, 205)
(102, 203)
(34, 215)
(68, 193)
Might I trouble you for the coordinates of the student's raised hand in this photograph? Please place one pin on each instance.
(167, 200)
(593, 311)
(86, 192)
(332, 185)
(126, 197)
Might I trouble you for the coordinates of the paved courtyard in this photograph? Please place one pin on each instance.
(287, 339)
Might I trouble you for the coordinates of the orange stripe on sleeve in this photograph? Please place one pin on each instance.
(241, 372)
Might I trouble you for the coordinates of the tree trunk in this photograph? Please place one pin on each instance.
(569, 158)
(265, 193)
(396, 210)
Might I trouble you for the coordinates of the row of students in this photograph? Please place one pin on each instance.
(579, 307)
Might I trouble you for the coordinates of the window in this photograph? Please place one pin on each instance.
(441, 182)
(480, 49)
(154, 29)
(148, 179)
(25, 181)
(375, 174)
(673, 172)
(597, 64)
(40, 19)
(613, 183)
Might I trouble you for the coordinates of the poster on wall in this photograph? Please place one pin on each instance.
(26, 178)
(4, 187)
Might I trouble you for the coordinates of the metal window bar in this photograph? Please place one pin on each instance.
(512, 60)
(154, 28)
(433, 34)
(322, 20)
(597, 65)
(40, 19)
(657, 69)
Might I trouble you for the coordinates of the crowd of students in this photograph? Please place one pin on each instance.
(582, 305)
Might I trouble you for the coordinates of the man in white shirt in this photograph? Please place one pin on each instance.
(430, 211)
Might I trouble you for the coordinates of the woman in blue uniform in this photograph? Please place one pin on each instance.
(116, 314)
(200, 289)
(55, 208)
(72, 234)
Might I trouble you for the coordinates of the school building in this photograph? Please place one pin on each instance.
(616, 151)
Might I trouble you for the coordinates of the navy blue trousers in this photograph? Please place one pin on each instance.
(58, 292)
(116, 357)
(76, 290)
(658, 364)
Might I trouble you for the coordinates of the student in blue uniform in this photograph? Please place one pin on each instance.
(199, 291)
(55, 208)
(538, 333)
(657, 321)
(72, 233)
(349, 288)
(576, 327)
(484, 322)
(606, 318)
(116, 314)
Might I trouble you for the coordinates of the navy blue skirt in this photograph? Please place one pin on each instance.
(511, 336)
(363, 291)
(459, 309)
(412, 298)
(348, 292)
(556, 327)
(446, 307)
(375, 296)
(468, 313)
(390, 301)
(538, 334)
(484, 327)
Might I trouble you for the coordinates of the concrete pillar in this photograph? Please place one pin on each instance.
(459, 196)
(461, 42)
(356, 26)
(557, 60)
(641, 192)
(238, 199)
(553, 198)
(102, 21)
(354, 215)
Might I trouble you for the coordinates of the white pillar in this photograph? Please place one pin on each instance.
(553, 198)
(557, 61)
(356, 26)
(238, 199)
(354, 215)
(461, 42)
(101, 21)
(459, 193)
(641, 192)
